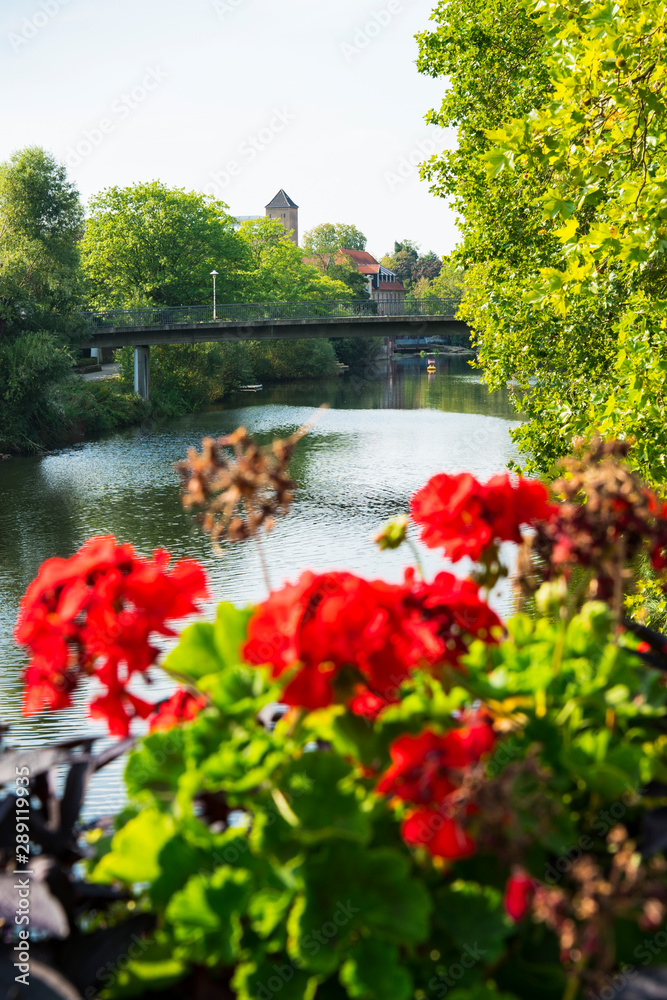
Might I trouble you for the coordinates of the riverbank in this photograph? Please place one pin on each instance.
(69, 409)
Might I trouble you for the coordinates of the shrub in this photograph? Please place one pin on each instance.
(285, 359)
(30, 365)
(187, 377)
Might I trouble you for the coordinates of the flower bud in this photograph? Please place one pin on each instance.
(393, 533)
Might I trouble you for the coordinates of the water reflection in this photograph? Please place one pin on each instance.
(381, 439)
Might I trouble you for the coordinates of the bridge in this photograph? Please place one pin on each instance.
(143, 328)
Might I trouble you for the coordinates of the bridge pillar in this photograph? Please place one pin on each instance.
(142, 371)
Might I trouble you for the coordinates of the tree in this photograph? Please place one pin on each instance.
(278, 271)
(600, 141)
(403, 260)
(151, 244)
(559, 179)
(41, 221)
(428, 266)
(326, 240)
(324, 244)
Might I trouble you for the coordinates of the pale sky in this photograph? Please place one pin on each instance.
(236, 98)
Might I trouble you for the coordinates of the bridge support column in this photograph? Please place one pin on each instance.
(142, 372)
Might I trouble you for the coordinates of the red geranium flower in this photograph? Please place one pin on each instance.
(519, 894)
(181, 707)
(424, 767)
(441, 835)
(462, 516)
(93, 614)
(378, 632)
(324, 624)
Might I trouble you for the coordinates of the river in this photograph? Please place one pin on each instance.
(382, 438)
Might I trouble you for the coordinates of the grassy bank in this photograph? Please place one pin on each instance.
(45, 406)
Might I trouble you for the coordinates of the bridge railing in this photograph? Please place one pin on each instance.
(254, 312)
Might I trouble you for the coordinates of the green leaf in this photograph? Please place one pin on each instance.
(323, 800)
(231, 629)
(373, 971)
(474, 918)
(208, 649)
(205, 916)
(152, 968)
(196, 653)
(273, 976)
(135, 849)
(347, 890)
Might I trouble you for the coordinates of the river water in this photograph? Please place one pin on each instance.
(383, 436)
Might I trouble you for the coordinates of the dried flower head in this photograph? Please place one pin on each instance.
(242, 492)
(606, 518)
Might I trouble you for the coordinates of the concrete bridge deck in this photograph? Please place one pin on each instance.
(143, 328)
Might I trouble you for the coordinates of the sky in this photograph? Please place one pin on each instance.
(235, 98)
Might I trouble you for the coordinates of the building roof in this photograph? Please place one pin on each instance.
(360, 257)
(390, 286)
(281, 200)
(368, 268)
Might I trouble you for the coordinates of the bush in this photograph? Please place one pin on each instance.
(285, 359)
(93, 408)
(187, 377)
(30, 365)
(358, 352)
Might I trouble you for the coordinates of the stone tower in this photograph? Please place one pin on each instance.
(282, 207)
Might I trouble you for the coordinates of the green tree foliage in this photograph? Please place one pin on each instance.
(402, 260)
(149, 244)
(30, 365)
(285, 359)
(41, 221)
(447, 284)
(323, 245)
(186, 377)
(559, 177)
(359, 353)
(278, 272)
(410, 266)
(428, 266)
(324, 241)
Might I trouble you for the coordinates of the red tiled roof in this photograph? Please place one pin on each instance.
(360, 256)
(390, 286)
(368, 268)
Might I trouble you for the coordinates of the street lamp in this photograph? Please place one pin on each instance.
(214, 275)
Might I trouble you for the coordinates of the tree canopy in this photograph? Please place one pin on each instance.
(278, 272)
(560, 180)
(323, 245)
(151, 244)
(325, 241)
(409, 265)
(41, 221)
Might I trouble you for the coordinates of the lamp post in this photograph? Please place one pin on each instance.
(214, 275)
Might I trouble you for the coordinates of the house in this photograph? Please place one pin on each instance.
(383, 284)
